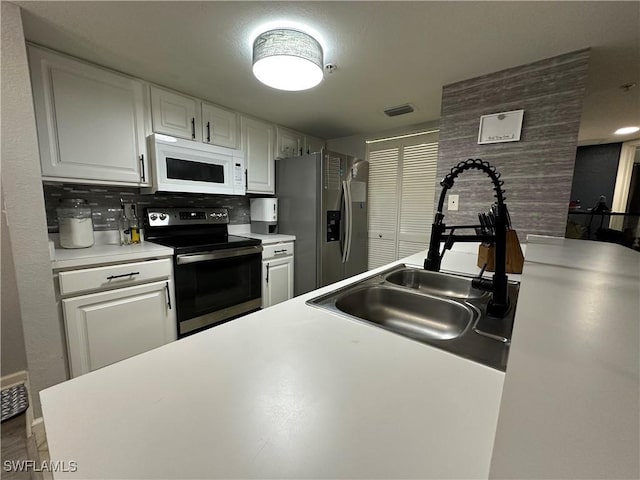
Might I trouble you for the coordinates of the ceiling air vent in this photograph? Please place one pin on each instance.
(399, 110)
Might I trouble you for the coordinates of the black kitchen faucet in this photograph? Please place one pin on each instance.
(499, 303)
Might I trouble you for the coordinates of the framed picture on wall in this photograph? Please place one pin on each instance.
(500, 127)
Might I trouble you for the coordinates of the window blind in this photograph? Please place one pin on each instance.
(383, 208)
(402, 184)
(417, 195)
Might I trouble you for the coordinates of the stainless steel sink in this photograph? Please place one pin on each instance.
(439, 309)
(435, 283)
(408, 313)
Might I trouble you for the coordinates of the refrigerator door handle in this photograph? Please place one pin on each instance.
(350, 218)
(341, 206)
(346, 187)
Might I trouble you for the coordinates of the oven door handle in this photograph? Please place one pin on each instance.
(217, 255)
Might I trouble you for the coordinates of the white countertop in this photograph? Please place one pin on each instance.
(290, 391)
(270, 239)
(106, 250)
(294, 391)
(571, 406)
(244, 230)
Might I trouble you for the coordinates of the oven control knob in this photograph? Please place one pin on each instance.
(153, 216)
(224, 214)
(218, 215)
(163, 216)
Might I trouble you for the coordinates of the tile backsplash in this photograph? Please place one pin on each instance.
(105, 202)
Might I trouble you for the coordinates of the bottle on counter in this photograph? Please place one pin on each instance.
(134, 226)
(123, 226)
(75, 223)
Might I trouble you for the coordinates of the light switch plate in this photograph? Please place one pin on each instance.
(452, 203)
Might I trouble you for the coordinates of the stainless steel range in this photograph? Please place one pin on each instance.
(217, 275)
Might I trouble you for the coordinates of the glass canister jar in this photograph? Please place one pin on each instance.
(75, 223)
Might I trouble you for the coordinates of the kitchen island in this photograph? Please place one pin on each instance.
(571, 405)
(295, 391)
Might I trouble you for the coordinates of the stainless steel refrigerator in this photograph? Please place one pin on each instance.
(322, 200)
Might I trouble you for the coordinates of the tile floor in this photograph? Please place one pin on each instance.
(41, 450)
(16, 446)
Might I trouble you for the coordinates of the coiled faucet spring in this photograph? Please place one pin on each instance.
(477, 164)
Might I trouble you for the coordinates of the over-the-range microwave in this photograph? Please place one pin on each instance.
(186, 166)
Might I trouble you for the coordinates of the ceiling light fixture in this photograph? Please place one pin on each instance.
(626, 130)
(287, 59)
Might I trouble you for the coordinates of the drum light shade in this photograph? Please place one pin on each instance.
(626, 130)
(287, 59)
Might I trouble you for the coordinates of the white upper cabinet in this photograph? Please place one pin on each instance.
(289, 143)
(91, 122)
(220, 126)
(313, 144)
(93, 125)
(257, 144)
(187, 117)
(175, 114)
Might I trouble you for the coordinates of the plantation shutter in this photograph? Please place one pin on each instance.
(417, 192)
(383, 208)
(402, 183)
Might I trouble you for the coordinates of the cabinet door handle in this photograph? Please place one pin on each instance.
(142, 167)
(208, 132)
(131, 274)
(267, 273)
(277, 252)
(246, 179)
(166, 285)
(193, 127)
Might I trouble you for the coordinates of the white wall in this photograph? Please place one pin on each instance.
(355, 145)
(14, 355)
(24, 202)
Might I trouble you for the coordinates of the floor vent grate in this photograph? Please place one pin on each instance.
(14, 401)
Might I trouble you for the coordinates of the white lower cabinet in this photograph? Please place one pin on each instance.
(108, 326)
(277, 274)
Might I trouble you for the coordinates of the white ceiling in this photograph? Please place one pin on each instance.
(387, 53)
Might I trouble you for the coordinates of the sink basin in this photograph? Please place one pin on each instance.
(435, 283)
(438, 309)
(406, 312)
